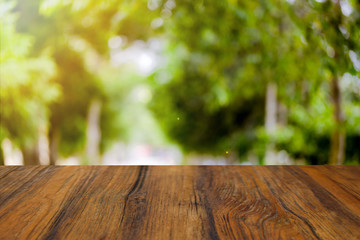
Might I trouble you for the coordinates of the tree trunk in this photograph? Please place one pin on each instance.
(2, 157)
(93, 133)
(54, 138)
(337, 147)
(31, 155)
(270, 121)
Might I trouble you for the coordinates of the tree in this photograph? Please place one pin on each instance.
(26, 89)
(76, 34)
(335, 31)
(221, 57)
(223, 69)
(245, 77)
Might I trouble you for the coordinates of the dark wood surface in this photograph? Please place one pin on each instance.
(180, 202)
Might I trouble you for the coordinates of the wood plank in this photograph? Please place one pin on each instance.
(180, 202)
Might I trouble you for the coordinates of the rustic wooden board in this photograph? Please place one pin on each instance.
(180, 202)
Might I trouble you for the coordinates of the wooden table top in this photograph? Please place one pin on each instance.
(180, 202)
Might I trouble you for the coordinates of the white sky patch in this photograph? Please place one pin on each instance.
(355, 60)
(346, 8)
(166, 13)
(144, 55)
(170, 4)
(291, 1)
(330, 51)
(157, 22)
(141, 93)
(153, 5)
(321, 1)
(344, 32)
(146, 63)
(78, 44)
(350, 83)
(115, 42)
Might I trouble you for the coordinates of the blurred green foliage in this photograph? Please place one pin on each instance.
(26, 86)
(209, 92)
(222, 54)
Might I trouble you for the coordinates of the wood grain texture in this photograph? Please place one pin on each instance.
(180, 202)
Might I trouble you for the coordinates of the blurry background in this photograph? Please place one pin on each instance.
(180, 82)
